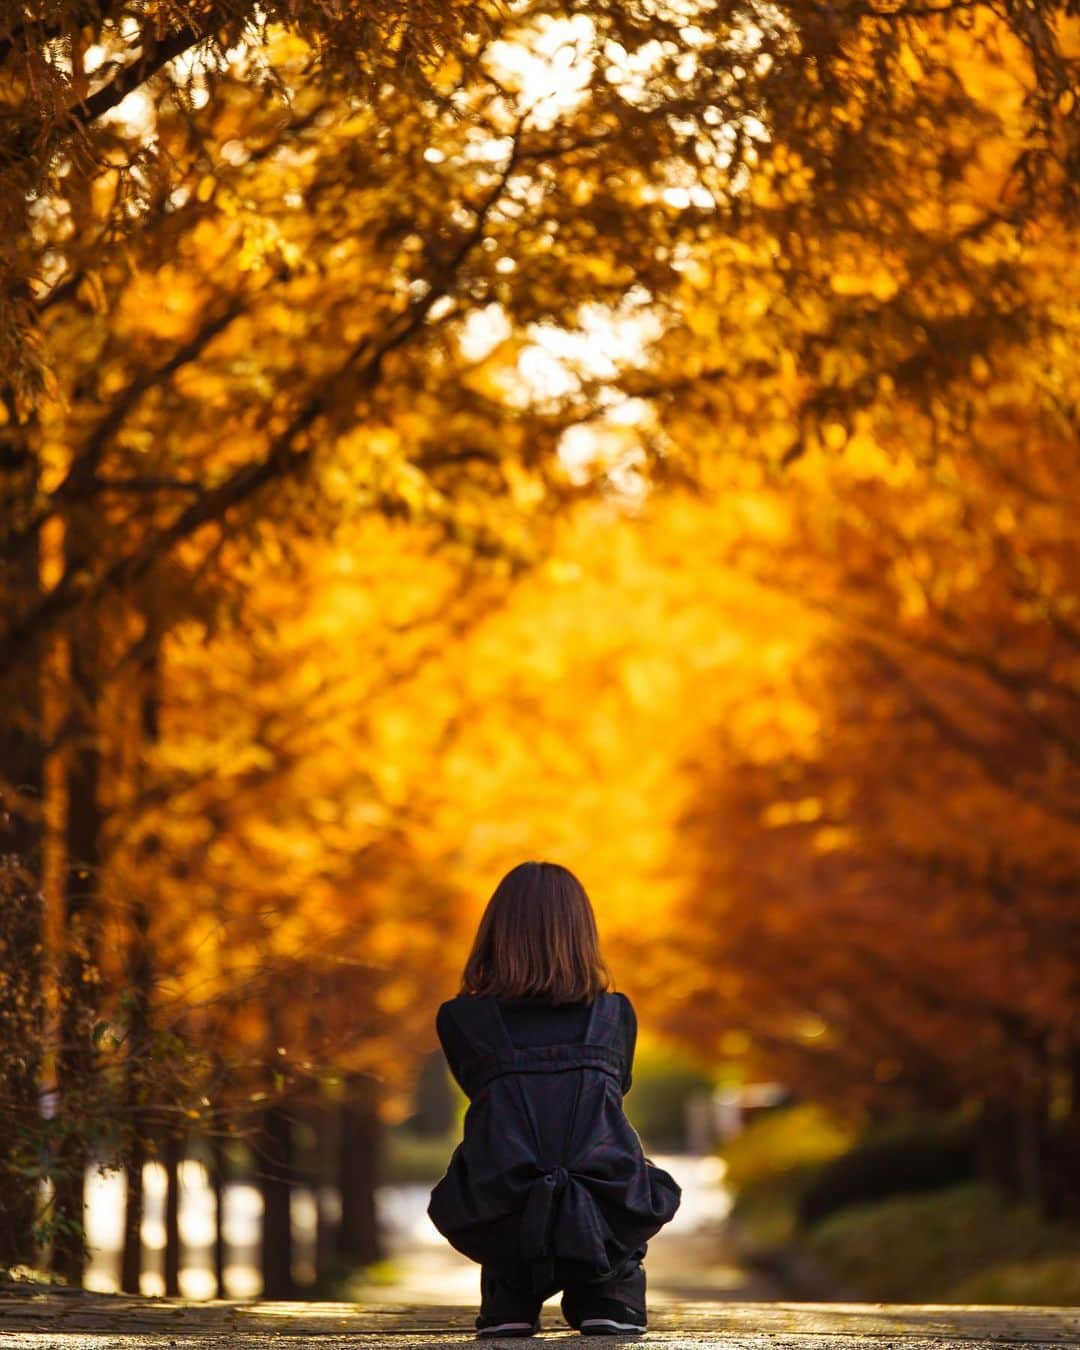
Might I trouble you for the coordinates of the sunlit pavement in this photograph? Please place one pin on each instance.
(697, 1296)
(112, 1322)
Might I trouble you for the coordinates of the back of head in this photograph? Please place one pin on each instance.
(537, 939)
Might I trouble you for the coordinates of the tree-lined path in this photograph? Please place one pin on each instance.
(434, 435)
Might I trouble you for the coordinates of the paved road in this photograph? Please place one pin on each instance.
(109, 1322)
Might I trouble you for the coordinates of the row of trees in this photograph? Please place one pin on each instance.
(356, 375)
(908, 858)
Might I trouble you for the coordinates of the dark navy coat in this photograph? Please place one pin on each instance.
(549, 1168)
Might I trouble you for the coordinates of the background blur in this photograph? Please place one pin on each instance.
(639, 436)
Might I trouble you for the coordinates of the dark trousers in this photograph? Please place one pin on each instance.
(510, 1295)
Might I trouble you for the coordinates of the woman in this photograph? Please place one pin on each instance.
(550, 1188)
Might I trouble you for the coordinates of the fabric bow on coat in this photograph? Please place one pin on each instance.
(560, 1220)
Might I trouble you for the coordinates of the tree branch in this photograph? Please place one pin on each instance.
(130, 77)
(361, 369)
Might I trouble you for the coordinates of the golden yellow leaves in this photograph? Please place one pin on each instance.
(878, 281)
(834, 839)
(162, 304)
(92, 289)
(1067, 28)
(991, 63)
(497, 376)
(782, 178)
(367, 724)
(286, 47)
(527, 489)
(834, 435)
(792, 812)
(865, 266)
(909, 62)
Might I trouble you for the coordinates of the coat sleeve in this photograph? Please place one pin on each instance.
(629, 1032)
(450, 1038)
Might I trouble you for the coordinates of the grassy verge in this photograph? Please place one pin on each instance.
(963, 1244)
(770, 1165)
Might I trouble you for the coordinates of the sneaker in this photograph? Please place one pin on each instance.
(609, 1318)
(490, 1327)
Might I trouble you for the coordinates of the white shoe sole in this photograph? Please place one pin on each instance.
(593, 1325)
(508, 1329)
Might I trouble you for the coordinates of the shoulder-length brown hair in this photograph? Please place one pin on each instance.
(537, 938)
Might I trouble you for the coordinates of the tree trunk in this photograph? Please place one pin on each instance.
(1064, 1206)
(21, 906)
(276, 1159)
(171, 1154)
(1032, 1139)
(78, 992)
(358, 1161)
(996, 1146)
(21, 1029)
(434, 1102)
(1063, 1143)
(140, 975)
(217, 1184)
(327, 1221)
(1013, 1145)
(131, 1261)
